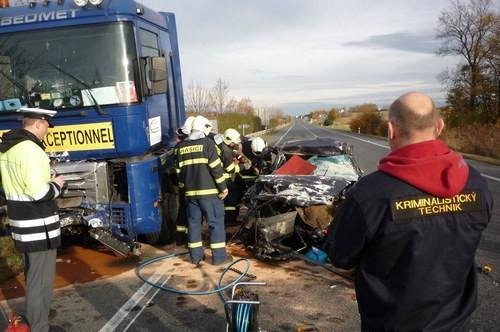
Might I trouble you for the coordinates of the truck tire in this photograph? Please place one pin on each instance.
(168, 212)
(170, 209)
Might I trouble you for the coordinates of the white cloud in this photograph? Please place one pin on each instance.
(299, 54)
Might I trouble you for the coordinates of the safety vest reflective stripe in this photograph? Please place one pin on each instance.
(237, 168)
(230, 208)
(227, 176)
(245, 177)
(221, 179)
(177, 170)
(217, 245)
(230, 167)
(214, 163)
(202, 192)
(193, 161)
(181, 184)
(27, 198)
(195, 244)
(34, 222)
(182, 229)
(36, 236)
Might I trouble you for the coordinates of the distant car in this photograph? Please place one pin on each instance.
(290, 209)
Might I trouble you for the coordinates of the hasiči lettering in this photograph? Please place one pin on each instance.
(191, 149)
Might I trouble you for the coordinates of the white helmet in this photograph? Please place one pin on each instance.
(186, 128)
(202, 124)
(258, 145)
(232, 136)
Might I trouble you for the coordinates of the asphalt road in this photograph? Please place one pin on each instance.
(296, 293)
(368, 151)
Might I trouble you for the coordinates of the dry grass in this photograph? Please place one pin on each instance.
(11, 262)
(476, 139)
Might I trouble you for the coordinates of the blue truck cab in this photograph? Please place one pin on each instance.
(111, 69)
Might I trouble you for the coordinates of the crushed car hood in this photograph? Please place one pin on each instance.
(299, 190)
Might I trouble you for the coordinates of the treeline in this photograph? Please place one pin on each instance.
(216, 104)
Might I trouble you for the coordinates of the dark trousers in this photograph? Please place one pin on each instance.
(40, 271)
(212, 208)
(232, 200)
(181, 230)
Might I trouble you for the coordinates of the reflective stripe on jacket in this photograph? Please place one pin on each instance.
(31, 209)
(199, 168)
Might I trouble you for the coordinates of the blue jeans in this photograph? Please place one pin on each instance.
(212, 208)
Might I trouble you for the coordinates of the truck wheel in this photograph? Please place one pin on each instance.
(152, 238)
(170, 208)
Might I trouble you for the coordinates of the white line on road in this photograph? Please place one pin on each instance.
(146, 304)
(127, 308)
(490, 177)
(364, 140)
(277, 143)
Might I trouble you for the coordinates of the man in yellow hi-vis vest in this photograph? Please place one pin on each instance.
(30, 191)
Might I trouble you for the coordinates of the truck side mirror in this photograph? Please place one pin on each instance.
(156, 73)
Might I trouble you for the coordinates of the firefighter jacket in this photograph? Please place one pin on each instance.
(30, 194)
(226, 155)
(199, 167)
(411, 236)
(260, 163)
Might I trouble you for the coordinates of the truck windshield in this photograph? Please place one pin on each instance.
(55, 68)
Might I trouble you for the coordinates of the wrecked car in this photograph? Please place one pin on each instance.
(290, 209)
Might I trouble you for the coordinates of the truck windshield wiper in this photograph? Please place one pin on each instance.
(20, 86)
(85, 85)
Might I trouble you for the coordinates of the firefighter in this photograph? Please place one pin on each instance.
(202, 178)
(31, 191)
(181, 229)
(257, 152)
(230, 161)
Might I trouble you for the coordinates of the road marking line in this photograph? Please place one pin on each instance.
(127, 308)
(293, 125)
(490, 177)
(146, 304)
(309, 130)
(363, 140)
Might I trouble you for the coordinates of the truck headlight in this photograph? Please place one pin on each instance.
(96, 2)
(81, 3)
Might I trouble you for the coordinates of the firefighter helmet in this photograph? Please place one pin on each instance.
(258, 145)
(202, 124)
(186, 128)
(232, 136)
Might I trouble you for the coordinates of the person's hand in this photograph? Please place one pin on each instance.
(59, 179)
(223, 194)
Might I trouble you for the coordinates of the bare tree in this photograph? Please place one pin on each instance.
(197, 98)
(219, 96)
(468, 30)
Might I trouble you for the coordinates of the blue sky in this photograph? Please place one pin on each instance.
(301, 55)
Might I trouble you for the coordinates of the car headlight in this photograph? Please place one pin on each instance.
(81, 3)
(96, 2)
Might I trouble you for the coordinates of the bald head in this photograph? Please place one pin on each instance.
(413, 112)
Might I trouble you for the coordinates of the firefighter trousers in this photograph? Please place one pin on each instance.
(212, 208)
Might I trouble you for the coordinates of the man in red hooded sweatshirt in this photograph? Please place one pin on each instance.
(411, 229)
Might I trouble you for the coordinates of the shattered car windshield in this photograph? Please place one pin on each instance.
(85, 54)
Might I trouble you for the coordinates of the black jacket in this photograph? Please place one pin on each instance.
(413, 252)
(199, 168)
